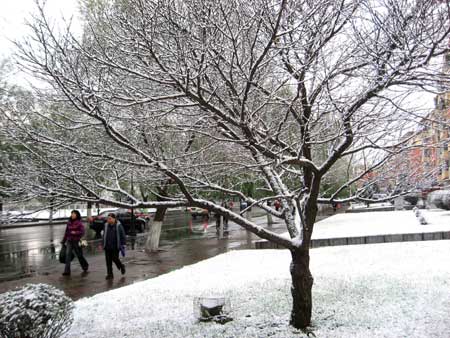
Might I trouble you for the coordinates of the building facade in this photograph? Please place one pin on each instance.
(433, 140)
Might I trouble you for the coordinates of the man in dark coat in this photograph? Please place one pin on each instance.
(114, 241)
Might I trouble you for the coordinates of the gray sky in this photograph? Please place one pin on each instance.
(14, 12)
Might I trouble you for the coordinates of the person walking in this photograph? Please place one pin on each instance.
(114, 241)
(277, 204)
(72, 235)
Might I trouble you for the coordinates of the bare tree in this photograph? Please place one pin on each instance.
(203, 94)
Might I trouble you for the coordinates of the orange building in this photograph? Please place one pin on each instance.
(432, 155)
(426, 165)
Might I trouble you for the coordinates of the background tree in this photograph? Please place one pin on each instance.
(239, 89)
(12, 98)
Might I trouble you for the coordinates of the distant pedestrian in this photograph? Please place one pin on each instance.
(243, 205)
(230, 205)
(74, 232)
(277, 204)
(217, 218)
(114, 241)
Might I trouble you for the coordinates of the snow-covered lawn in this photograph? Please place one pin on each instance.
(380, 290)
(381, 223)
(45, 214)
(372, 205)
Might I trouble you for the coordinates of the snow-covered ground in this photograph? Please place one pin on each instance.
(45, 214)
(381, 223)
(378, 290)
(58, 214)
(371, 206)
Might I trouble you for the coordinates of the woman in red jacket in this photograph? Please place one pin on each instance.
(72, 236)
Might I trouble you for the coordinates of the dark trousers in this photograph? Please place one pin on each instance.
(112, 255)
(74, 246)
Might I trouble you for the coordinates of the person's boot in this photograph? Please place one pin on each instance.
(109, 277)
(66, 273)
(122, 269)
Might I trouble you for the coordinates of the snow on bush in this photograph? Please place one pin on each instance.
(36, 310)
(440, 198)
(411, 199)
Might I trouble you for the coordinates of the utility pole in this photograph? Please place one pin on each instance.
(221, 227)
(133, 225)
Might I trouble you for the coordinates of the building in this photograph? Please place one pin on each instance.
(431, 156)
(425, 165)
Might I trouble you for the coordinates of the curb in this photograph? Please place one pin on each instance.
(389, 238)
(387, 208)
(31, 224)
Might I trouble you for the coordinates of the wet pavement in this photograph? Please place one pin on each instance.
(18, 237)
(202, 243)
(26, 248)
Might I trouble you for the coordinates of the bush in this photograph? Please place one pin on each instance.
(446, 200)
(440, 198)
(411, 199)
(36, 310)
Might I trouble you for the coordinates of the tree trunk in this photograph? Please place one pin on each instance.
(269, 219)
(249, 215)
(302, 282)
(152, 243)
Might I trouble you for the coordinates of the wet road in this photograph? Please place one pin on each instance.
(30, 238)
(13, 240)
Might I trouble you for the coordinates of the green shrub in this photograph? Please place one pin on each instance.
(36, 310)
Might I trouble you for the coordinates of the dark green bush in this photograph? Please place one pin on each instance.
(35, 311)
